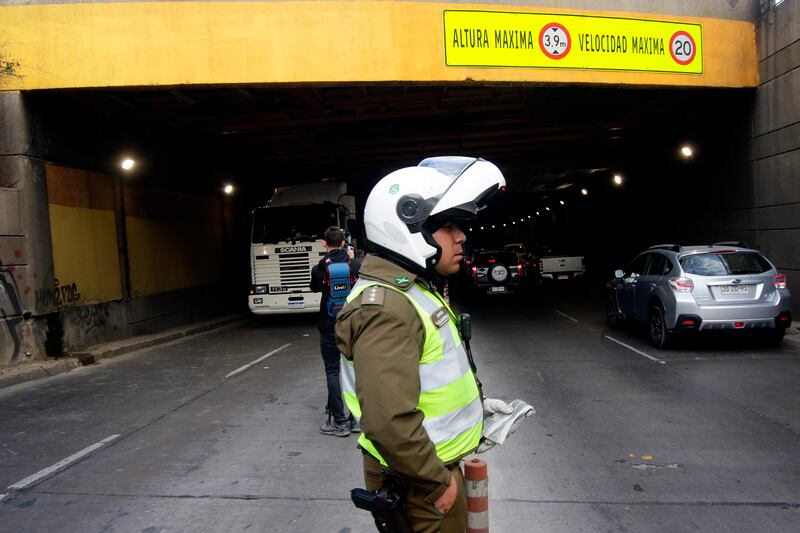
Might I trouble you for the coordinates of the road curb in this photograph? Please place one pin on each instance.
(50, 367)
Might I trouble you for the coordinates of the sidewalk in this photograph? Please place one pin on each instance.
(50, 367)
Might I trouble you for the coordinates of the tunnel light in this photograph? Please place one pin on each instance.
(561, 202)
(584, 192)
(547, 208)
(537, 213)
(470, 229)
(492, 226)
(530, 216)
(481, 228)
(228, 189)
(513, 222)
(686, 151)
(617, 179)
(127, 163)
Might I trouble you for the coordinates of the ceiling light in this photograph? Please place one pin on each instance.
(228, 189)
(561, 202)
(529, 216)
(127, 164)
(547, 208)
(537, 213)
(617, 179)
(686, 151)
(584, 192)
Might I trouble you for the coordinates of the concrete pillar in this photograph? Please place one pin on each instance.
(26, 265)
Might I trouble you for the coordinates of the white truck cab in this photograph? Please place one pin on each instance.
(286, 243)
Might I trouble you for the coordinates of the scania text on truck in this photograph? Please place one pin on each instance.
(286, 242)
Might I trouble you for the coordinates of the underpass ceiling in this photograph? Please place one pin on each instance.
(542, 137)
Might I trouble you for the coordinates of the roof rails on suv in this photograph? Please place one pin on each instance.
(738, 244)
(670, 247)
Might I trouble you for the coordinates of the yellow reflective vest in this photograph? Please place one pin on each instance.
(449, 397)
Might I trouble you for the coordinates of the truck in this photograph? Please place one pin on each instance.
(555, 263)
(286, 243)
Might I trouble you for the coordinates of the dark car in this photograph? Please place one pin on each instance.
(496, 271)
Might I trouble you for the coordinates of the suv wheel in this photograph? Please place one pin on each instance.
(770, 338)
(657, 327)
(612, 314)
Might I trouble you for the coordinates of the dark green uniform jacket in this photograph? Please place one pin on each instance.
(384, 337)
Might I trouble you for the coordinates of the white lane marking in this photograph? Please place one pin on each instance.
(635, 350)
(248, 365)
(3, 497)
(50, 470)
(565, 315)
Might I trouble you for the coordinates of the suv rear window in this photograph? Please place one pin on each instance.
(725, 264)
(505, 258)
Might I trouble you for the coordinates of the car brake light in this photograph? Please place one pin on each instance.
(687, 322)
(519, 269)
(468, 261)
(474, 271)
(738, 325)
(681, 284)
(780, 281)
(492, 261)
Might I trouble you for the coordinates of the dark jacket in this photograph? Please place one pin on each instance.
(318, 275)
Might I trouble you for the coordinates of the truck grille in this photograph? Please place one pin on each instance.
(292, 270)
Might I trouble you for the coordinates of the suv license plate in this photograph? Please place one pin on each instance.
(498, 289)
(563, 276)
(734, 289)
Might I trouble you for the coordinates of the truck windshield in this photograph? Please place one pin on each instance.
(292, 223)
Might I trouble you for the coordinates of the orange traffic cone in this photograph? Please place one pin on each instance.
(476, 477)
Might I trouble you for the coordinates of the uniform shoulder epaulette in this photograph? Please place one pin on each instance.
(373, 295)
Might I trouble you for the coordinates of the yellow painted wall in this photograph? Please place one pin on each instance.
(84, 235)
(174, 241)
(190, 43)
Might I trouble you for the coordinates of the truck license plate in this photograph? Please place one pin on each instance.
(498, 289)
(296, 305)
(563, 276)
(734, 289)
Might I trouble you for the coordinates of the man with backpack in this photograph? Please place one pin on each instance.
(334, 277)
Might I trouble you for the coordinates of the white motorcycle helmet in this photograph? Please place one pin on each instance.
(407, 206)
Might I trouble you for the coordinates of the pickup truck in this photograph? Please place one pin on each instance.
(556, 265)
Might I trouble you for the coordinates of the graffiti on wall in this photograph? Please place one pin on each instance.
(91, 317)
(10, 314)
(57, 296)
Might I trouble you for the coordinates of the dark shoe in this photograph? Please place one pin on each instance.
(355, 427)
(337, 430)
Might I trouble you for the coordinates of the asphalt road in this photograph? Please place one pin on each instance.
(207, 435)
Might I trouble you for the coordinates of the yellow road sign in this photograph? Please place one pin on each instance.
(546, 40)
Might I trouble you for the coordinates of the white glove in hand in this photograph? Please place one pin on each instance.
(493, 405)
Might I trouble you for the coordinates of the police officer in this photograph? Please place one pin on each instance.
(405, 373)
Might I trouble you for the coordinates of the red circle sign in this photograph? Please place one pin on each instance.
(554, 40)
(682, 48)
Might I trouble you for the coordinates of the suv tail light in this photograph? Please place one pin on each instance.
(519, 269)
(474, 271)
(681, 284)
(780, 281)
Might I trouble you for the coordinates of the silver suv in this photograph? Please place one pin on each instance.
(723, 286)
